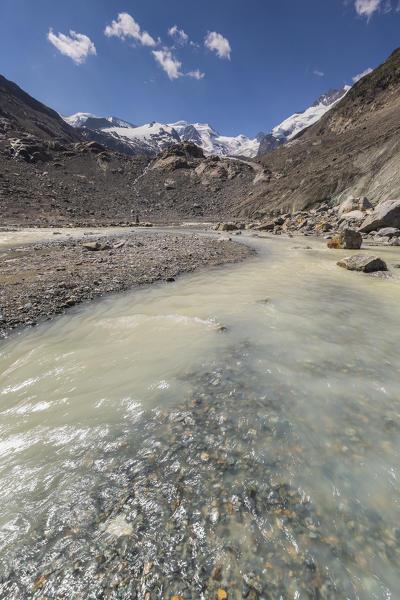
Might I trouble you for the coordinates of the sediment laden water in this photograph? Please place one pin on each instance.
(10, 239)
(146, 453)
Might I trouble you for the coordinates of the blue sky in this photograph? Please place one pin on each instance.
(245, 65)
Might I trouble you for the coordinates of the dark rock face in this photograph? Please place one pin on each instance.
(268, 143)
(386, 214)
(30, 149)
(366, 264)
(190, 134)
(21, 113)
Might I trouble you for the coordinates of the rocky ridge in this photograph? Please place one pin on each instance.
(354, 150)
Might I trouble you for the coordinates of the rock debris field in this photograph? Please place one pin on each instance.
(41, 280)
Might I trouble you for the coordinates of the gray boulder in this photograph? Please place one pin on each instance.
(389, 232)
(353, 215)
(268, 226)
(226, 227)
(348, 239)
(386, 214)
(366, 264)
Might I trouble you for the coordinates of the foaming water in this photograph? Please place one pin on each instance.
(147, 451)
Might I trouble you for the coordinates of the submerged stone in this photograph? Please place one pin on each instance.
(119, 526)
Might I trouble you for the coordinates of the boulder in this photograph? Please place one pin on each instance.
(324, 226)
(171, 163)
(226, 227)
(268, 226)
(386, 214)
(92, 246)
(366, 264)
(353, 215)
(348, 239)
(348, 205)
(212, 169)
(388, 232)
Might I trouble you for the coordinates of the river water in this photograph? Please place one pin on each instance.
(16, 237)
(233, 434)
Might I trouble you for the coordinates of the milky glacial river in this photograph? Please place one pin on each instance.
(235, 432)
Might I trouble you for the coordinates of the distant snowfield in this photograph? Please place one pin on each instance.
(154, 137)
(78, 119)
(290, 127)
(158, 136)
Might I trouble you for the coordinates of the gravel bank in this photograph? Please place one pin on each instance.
(41, 280)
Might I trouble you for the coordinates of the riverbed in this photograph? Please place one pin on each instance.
(235, 433)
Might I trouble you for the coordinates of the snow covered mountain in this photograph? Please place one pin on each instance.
(82, 119)
(291, 126)
(154, 137)
(212, 142)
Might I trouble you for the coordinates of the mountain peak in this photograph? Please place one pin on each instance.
(297, 122)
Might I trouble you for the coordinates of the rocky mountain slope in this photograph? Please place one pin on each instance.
(353, 150)
(294, 124)
(22, 114)
(51, 174)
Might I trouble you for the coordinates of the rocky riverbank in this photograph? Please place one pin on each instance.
(41, 280)
(379, 225)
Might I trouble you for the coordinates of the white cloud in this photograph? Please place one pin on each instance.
(361, 75)
(168, 62)
(196, 74)
(387, 7)
(319, 73)
(216, 42)
(75, 45)
(366, 8)
(178, 35)
(126, 27)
